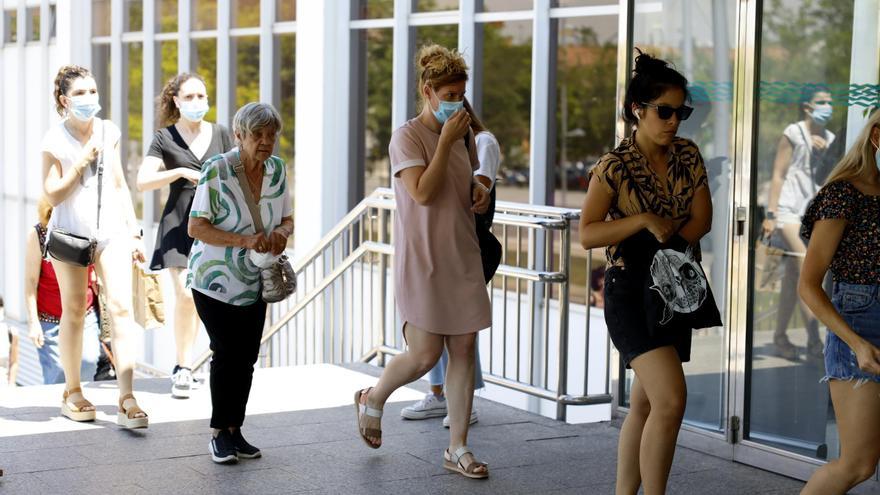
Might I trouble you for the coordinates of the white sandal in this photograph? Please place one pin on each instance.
(365, 410)
(452, 462)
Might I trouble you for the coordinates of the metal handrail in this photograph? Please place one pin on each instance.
(537, 255)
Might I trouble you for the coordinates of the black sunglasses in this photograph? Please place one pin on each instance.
(665, 111)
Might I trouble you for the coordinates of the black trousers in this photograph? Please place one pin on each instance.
(235, 333)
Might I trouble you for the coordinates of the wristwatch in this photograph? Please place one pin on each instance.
(770, 215)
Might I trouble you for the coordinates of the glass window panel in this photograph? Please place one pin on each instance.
(101, 17)
(133, 137)
(285, 70)
(245, 13)
(377, 46)
(443, 35)
(582, 3)
(504, 101)
(372, 9)
(435, 5)
(504, 5)
(804, 58)
(101, 70)
(33, 24)
(205, 64)
(10, 26)
(586, 79)
(134, 15)
(52, 21)
(166, 68)
(246, 68)
(166, 16)
(204, 14)
(285, 10)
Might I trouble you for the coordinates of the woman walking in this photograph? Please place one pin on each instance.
(82, 170)
(439, 283)
(651, 188)
(224, 280)
(842, 230)
(175, 157)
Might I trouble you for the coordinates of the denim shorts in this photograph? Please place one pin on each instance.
(860, 307)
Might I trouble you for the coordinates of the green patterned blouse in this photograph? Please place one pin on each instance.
(225, 272)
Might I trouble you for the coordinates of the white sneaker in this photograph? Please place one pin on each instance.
(181, 383)
(473, 418)
(429, 407)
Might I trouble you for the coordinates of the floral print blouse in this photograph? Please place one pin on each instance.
(857, 260)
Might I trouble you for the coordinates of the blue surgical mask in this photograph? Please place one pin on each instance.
(194, 110)
(822, 114)
(84, 107)
(446, 109)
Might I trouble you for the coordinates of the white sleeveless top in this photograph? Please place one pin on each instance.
(800, 184)
(78, 213)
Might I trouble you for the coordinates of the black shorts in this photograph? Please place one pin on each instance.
(626, 320)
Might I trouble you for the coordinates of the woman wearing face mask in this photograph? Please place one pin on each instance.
(175, 157)
(652, 188)
(74, 152)
(794, 183)
(439, 284)
(844, 237)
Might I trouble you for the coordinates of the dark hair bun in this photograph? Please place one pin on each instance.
(647, 65)
(650, 79)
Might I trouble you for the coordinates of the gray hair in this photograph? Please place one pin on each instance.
(254, 117)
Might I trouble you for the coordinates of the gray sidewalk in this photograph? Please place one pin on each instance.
(317, 450)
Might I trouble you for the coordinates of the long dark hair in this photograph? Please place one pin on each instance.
(477, 125)
(651, 78)
(167, 111)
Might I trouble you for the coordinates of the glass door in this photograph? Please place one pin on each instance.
(817, 71)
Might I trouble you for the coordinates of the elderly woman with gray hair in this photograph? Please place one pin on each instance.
(222, 274)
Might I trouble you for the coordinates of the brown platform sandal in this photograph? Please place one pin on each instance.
(74, 410)
(128, 418)
(365, 410)
(452, 462)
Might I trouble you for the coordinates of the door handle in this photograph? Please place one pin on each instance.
(742, 214)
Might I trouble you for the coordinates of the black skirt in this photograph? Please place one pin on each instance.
(626, 318)
(173, 243)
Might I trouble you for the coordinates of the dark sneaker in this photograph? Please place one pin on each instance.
(242, 447)
(222, 448)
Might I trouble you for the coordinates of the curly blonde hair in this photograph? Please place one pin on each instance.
(166, 110)
(438, 66)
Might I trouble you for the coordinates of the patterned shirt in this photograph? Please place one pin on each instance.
(635, 188)
(226, 273)
(857, 260)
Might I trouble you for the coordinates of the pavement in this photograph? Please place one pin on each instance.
(303, 420)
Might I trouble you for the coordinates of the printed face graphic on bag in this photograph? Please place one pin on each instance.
(677, 278)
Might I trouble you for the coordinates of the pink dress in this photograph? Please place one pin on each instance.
(438, 275)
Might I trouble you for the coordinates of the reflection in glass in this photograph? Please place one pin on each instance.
(504, 5)
(245, 13)
(132, 146)
(372, 9)
(435, 5)
(285, 10)
(805, 62)
(166, 16)
(376, 46)
(698, 39)
(246, 70)
(285, 68)
(204, 14)
(505, 78)
(100, 17)
(205, 64)
(134, 15)
(586, 78)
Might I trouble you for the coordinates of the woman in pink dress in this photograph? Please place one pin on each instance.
(438, 275)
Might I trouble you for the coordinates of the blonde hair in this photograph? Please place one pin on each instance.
(860, 156)
(44, 211)
(438, 66)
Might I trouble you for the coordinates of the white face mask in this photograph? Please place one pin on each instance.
(194, 110)
(84, 107)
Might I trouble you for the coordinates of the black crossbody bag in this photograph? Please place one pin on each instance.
(72, 248)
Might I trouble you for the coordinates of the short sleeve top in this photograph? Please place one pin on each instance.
(488, 154)
(226, 273)
(635, 188)
(857, 260)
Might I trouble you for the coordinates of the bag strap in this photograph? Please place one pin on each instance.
(101, 170)
(233, 159)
